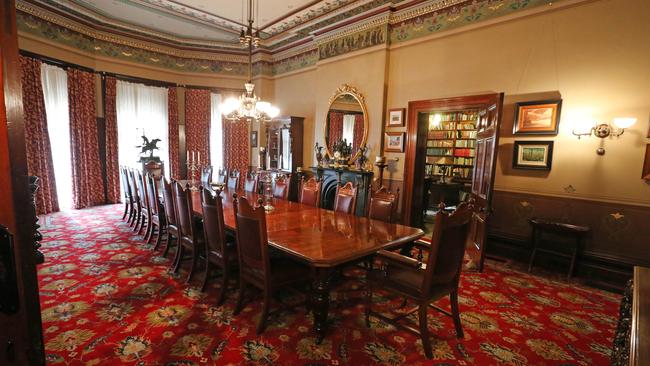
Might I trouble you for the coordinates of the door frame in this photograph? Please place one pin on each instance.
(21, 338)
(416, 137)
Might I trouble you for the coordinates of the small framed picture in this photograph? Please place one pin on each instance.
(253, 138)
(537, 118)
(394, 142)
(645, 174)
(396, 117)
(536, 155)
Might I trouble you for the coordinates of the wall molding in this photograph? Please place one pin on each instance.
(577, 196)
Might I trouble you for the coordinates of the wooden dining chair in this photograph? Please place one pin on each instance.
(345, 200)
(310, 191)
(156, 209)
(250, 182)
(281, 187)
(233, 180)
(222, 176)
(190, 236)
(206, 176)
(146, 209)
(137, 201)
(173, 232)
(128, 197)
(256, 267)
(425, 282)
(382, 205)
(219, 251)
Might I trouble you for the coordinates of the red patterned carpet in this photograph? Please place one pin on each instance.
(107, 299)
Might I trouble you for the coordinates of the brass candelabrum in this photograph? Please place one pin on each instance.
(194, 166)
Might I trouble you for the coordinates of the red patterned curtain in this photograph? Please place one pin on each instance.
(358, 132)
(174, 154)
(37, 139)
(336, 128)
(236, 151)
(112, 161)
(197, 123)
(87, 182)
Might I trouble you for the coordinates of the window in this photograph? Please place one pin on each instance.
(141, 110)
(55, 95)
(348, 128)
(216, 133)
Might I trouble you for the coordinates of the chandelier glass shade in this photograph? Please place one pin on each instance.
(249, 106)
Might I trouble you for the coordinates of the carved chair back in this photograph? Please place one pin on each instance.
(447, 247)
(281, 187)
(252, 241)
(346, 198)
(250, 183)
(206, 175)
(233, 180)
(183, 204)
(383, 205)
(310, 191)
(169, 204)
(213, 221)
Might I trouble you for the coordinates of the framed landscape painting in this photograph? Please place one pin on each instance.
(394, 142)
(537, 118)
(536, 155)
(396, 117)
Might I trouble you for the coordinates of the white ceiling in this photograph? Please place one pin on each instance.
(214, 20)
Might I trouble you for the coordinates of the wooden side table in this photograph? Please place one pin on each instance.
(576, 232)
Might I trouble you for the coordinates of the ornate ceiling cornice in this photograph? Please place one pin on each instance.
(373, 23)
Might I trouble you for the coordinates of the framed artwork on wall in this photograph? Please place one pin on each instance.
(645, 174)
(253, 138)
(396, 117)
(537, 118)
(536, 155)
(394, 142)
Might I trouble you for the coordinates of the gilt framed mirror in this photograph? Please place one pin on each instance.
(346, 120)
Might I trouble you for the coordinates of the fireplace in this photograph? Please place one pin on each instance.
(333, 176)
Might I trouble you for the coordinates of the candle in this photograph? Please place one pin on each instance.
(199, 157)
(187, 158)
(192, 156)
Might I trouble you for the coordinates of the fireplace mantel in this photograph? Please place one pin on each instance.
(333, 176)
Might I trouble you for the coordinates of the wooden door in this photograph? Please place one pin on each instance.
(21, 340)
(487, 144)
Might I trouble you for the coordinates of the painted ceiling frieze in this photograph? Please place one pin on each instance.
(462, 14)
(385, 28)
(54, 33)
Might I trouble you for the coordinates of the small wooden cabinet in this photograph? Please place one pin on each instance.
(284, 143)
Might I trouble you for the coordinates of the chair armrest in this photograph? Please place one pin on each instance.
(421, 244)
(398, 259)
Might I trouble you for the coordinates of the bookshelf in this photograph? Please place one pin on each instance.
(451, 140)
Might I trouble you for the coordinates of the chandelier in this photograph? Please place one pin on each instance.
(249, 106)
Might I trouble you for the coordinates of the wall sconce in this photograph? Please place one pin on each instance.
(603, 130)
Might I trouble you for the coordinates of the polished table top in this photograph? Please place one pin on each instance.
(320, 237)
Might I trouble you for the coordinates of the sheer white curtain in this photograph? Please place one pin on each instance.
(348, 127)
(216, 133)
(55, 94)
(141, 110)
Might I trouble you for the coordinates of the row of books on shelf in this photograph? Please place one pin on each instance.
(442, 170)
(465, 143)
(440, 143)
(464, 152)
(466, 126)
(443, 126)
(440, 151)
(463, 161)
(440, 135)
(449, 160)
(459, 116)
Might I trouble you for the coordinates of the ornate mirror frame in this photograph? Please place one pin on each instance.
(346, 89)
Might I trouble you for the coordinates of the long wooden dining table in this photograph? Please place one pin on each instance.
(323, 239)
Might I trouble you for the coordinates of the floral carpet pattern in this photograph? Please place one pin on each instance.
(107, 299)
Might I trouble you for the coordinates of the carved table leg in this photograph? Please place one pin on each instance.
(320, 301)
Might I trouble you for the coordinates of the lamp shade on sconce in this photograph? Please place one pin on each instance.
(624, 122)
